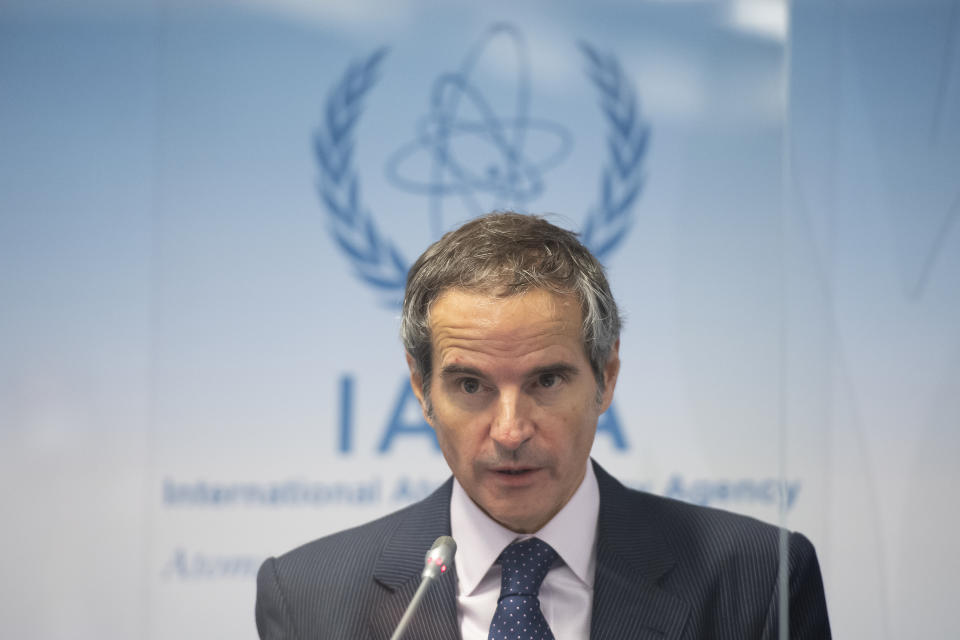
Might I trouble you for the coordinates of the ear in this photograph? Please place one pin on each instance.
(416, 383)
(610, 372)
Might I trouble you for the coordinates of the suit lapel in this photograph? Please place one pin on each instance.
(632, 556)
(398, 571)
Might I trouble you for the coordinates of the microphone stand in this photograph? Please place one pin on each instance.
(442, 550)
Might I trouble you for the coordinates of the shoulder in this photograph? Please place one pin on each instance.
(684, 523)
(356, 551)
(705, 532)
(327, 583)
(357, 547)
(705, 544)
(724, 567)
(317, 585)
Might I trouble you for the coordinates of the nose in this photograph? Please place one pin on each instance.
(511, 426)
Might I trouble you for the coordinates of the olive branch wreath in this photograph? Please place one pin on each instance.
(378, 262)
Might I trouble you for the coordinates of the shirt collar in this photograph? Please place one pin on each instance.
(480, 539)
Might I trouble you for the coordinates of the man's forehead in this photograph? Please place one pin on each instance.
(465, 300)
(467, 322)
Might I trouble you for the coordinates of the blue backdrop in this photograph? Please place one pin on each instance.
(207, 210)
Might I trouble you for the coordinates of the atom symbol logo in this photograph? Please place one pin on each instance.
(485, 159)
(471, 151)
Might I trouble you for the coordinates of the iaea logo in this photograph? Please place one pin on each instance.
(507, 164)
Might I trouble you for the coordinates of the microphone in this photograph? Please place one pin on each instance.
(435, 564)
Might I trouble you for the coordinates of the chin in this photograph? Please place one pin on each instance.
(519, 522)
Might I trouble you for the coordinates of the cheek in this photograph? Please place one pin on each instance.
(445, 437)
(457, 439)
(579, 429)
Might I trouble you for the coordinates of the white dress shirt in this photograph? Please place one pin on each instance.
(566, 595)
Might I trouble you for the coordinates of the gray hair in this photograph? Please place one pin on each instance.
(507, 254)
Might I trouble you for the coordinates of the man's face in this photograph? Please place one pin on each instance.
(514, 400)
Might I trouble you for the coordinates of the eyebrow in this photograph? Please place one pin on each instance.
(460, 370)
(561, 368)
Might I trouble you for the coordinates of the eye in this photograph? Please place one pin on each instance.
(470, 385)
(548, 380)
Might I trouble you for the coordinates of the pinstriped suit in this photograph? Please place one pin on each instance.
(665, 569)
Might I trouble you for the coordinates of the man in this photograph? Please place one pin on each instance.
(512, 340)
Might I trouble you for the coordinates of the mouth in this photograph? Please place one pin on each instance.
(511, 479)
(515, 472)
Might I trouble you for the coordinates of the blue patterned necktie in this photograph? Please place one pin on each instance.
(524, 565)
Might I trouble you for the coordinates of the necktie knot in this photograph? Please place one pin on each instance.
(524, 565)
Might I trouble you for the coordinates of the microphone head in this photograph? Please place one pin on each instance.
(439, 556)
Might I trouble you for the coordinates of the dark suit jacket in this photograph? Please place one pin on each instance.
(665, 569)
